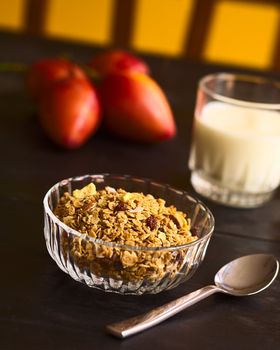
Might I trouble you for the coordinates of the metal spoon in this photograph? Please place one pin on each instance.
(246, 275)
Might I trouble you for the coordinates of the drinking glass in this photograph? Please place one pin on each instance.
(235, 151)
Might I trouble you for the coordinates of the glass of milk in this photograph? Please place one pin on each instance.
(235, 151)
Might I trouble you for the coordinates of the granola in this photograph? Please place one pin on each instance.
(126, 218)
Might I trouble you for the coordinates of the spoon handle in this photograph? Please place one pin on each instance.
(138, 324)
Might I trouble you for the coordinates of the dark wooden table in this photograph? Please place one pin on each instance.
(43, 308)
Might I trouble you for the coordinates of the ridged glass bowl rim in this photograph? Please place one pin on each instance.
(118, 245)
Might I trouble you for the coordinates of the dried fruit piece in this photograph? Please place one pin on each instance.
(151, 222)
(121, 206)
(194, 231)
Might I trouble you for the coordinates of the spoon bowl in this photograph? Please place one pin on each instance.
(247, 275)
(244, 276)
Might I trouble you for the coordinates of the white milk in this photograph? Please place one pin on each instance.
(237, 146)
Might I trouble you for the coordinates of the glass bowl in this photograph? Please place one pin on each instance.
(155, 269)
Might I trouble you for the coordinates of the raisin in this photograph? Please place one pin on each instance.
(151, 222)
(121, 206)
(177, 256)
(194, 231)
(117, 265)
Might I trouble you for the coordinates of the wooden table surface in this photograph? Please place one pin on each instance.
(43, 308)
